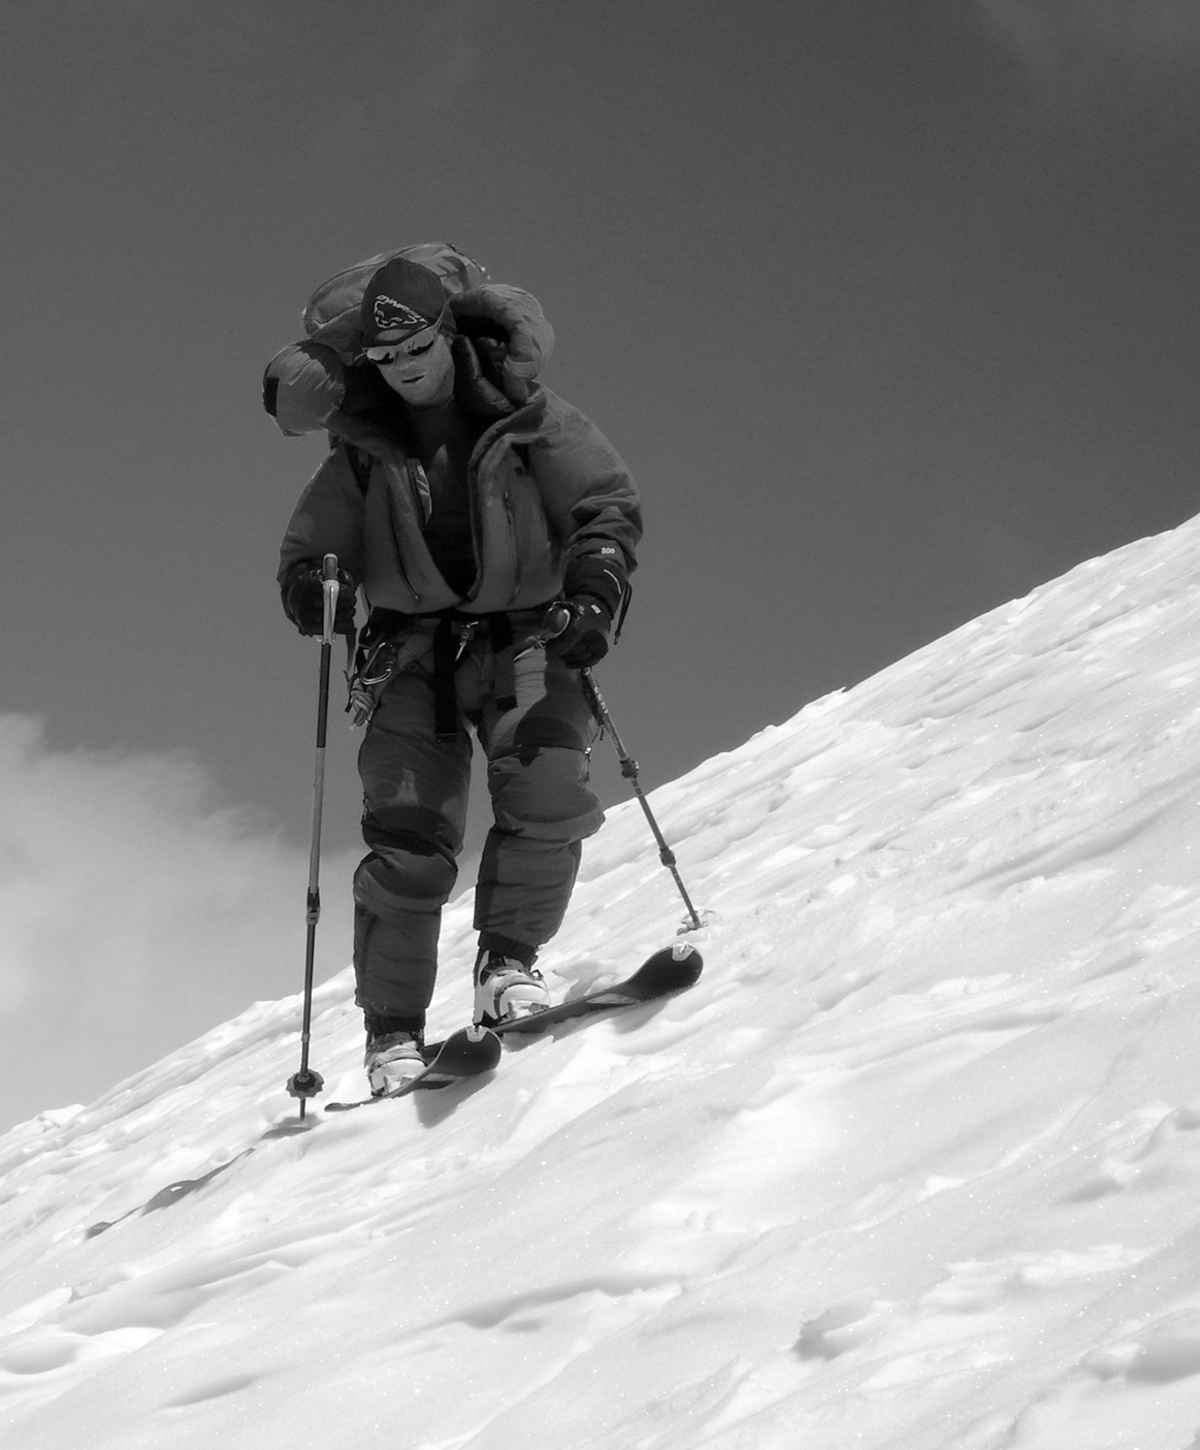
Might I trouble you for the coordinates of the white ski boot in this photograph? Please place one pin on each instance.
(391, 1060)
(506, 988)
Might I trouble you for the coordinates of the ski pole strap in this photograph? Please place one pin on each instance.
(623, 610)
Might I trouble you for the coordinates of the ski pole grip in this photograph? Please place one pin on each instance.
(558, 617)
(330, 586)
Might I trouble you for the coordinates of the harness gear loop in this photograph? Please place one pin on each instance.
(392, 641)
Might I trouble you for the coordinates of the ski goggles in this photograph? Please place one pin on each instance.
(390, 352)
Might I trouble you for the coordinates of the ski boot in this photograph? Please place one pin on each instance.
(391, 1060)
(506, 988)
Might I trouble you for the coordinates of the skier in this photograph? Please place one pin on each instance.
(493, 544)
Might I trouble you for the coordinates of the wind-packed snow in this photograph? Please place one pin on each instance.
(915, 1165)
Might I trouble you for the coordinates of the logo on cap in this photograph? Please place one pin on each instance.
(387, 313)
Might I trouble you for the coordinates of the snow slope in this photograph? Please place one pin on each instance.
(915, 1165)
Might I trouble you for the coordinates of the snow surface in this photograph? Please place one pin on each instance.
(915, 1165)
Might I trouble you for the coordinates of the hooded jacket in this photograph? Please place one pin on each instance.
(546, 489)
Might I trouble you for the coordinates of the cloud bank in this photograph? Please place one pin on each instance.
(138, 910)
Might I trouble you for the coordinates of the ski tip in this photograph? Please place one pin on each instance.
(679, 965)
(477, 1047)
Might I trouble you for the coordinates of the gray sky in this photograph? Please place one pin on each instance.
(891, 308)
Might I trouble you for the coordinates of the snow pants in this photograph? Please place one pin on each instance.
(536, 733)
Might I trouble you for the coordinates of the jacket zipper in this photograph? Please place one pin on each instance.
(518, 571)
(400, 569)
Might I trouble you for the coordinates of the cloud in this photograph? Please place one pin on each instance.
(137, 910)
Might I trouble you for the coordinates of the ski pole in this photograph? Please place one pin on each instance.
(629, 769)
(306, 1083)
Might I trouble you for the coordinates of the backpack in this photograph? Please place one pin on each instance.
(321, 382)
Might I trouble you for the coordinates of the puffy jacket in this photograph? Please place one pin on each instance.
(546, 489)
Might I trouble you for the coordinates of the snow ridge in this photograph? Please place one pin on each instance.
(915, 1165)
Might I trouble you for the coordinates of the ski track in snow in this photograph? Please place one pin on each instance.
(915, 1165)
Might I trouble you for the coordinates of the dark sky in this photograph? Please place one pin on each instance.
(891, 309)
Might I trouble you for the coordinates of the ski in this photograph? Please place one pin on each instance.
(464, 1054)
(673, 969)
(474, 1050)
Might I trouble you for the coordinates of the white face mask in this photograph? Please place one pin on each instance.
(419, 370)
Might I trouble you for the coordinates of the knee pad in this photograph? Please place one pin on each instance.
(392, 883)
(544, 794)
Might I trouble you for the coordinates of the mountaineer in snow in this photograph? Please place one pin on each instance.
(492, 529)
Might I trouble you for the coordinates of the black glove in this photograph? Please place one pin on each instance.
(594, 587)
(304, 599)
(585, 640)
